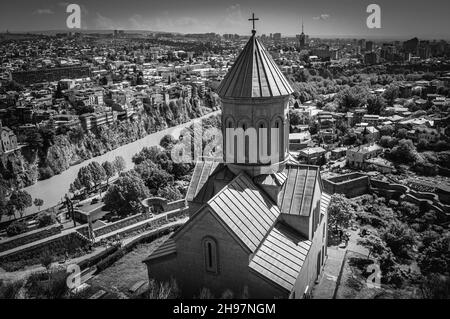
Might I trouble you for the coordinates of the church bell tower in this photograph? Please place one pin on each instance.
(255, 120)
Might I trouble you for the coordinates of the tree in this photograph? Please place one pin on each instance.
(38, 203)
(147, 153)
(167, 142)
(124, 197)
(388, 141)
(374, 244)
(436, 286)
(103, 80)
(402, 133)
(58, 92)
(75, 186)
(375, 104)
(20, 200)
(340, 212)
(352, 98)
(84, 179)
(386, 130)
(422, 144)
(154, 177)
(46, 219)
(46, 259)
(435, 258)
(296, 117)
(322, 160)
(119, 164)
(97, 172)
(349, 139)
(109, 169)
(170, 193)
(404, 152)
(391, 93)
(399, 238)
(17, 227)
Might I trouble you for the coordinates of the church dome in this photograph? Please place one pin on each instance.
(254, 75)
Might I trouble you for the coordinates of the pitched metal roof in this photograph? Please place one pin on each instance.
(166, 248)
(202, 170)
(281, 256)
(206, 178)
(247, 211)
(271, 179)
(298, 191)
(324, 202)
(254, 74)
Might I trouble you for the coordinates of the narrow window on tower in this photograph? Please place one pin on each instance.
(262, 144)
(210, 253)
(276, 151)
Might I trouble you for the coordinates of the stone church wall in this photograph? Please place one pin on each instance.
(188, 266)
(308, 273)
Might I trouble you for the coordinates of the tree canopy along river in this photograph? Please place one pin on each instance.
(53, 190)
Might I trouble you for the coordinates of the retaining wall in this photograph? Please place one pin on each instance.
(351, 185)
(28, 237)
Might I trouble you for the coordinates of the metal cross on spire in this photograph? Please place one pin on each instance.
(253, 19)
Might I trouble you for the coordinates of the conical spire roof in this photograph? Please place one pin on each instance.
(254, 75)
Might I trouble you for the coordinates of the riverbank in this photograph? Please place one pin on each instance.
(53, 190)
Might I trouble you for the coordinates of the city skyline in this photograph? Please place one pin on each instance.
(323, 18)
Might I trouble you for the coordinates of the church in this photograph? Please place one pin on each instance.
(258, 223)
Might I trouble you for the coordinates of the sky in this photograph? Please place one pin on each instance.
(400, 19)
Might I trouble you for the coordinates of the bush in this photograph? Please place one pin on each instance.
(45, 173)
(399, 238)
(436, 286)
(16, 228)
(10, 290)
(45, 220)
(47, 285)
(394, 277)
(369, 219)
(46, 259)
(435, 258)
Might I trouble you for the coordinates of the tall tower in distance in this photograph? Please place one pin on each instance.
(302, 38)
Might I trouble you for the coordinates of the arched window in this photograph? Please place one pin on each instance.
(263, 137)
(277, 136)
(210, 255)
(229, 122)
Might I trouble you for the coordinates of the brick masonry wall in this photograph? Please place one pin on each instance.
(188, 265)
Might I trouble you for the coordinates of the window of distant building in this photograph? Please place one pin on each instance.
(210, 254)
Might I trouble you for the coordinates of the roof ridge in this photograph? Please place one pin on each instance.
(226, 187)
(254, 74)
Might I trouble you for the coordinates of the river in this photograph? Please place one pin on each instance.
(52, 190)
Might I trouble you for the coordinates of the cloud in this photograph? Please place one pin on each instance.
(43, 11)
(102, 22)
(233, 17)
(323, 17)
